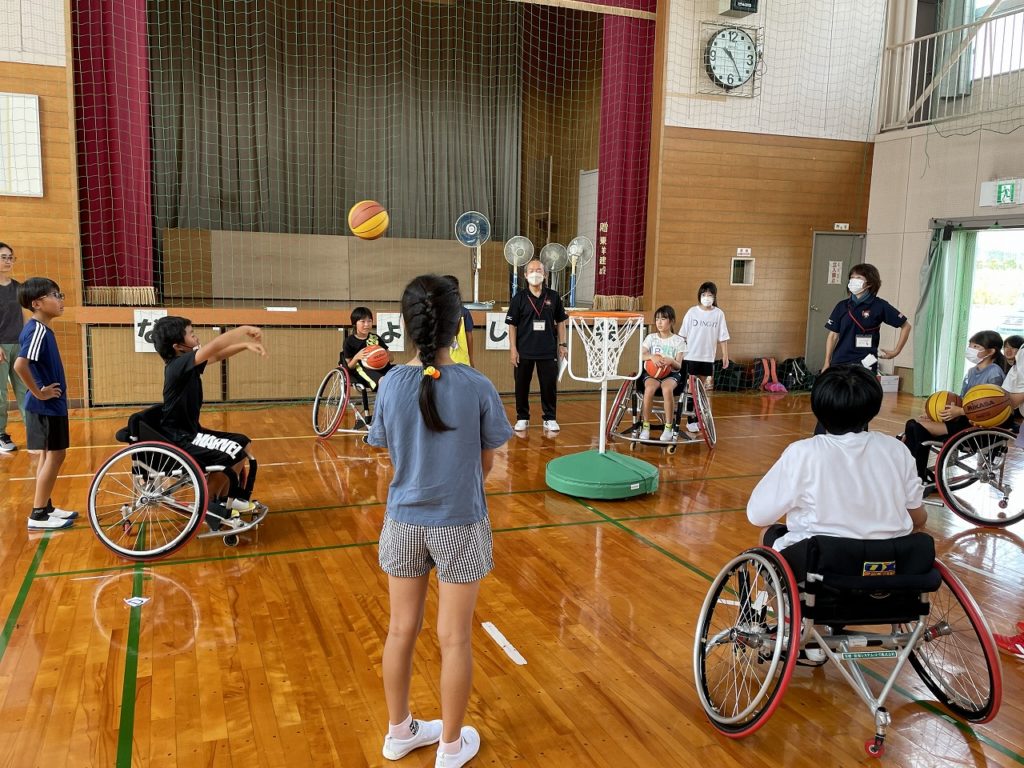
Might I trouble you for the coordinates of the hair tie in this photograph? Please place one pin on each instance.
(432, 372)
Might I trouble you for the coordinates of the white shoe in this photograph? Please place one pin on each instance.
(6, 444)
(427, 732)
(645, 433)
(551, 425)
(692, 426)
(48, 524)
(521, 425)
(668, 434)
(63, 514)
(470, 746)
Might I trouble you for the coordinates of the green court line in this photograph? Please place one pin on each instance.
(19, 602)
(126, 727)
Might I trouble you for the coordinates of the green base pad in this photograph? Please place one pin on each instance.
(593, 475)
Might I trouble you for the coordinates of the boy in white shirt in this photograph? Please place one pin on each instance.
(848, 482)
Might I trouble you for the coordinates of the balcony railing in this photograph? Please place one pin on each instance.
(973, 74)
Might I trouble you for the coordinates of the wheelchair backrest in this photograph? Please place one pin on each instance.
(143, 425)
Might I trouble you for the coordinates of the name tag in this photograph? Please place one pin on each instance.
(863, 341)
(539, 325)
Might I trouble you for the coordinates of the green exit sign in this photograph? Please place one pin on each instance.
(1006, 192)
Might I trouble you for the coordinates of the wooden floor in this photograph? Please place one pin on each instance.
(269, 654)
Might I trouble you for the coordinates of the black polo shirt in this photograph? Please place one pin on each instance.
(183, 397)
(524, 310)
(851, 320)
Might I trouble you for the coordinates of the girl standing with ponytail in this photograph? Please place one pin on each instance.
(441, 423)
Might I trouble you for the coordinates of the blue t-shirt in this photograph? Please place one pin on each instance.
(992, 374)
(39, 347)
(438, 475)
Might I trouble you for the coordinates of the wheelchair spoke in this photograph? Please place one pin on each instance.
(977, 474)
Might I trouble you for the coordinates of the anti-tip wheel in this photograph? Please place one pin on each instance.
(874, 748)
(231, 540)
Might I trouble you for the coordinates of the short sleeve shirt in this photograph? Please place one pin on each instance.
(703, 330)
(670, 347)
(11, 318)
(183, 397)
(438, 478)
(865, 320)
(1014, 382)
(990, 374)
(39, 347)
(536, 319)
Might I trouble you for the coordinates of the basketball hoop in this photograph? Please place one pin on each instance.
(599, 474)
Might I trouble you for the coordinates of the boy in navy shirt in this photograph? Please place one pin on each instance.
(46, 404)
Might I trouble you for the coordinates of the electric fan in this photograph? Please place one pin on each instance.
(554, 258)
(472, 229)
(580, 253)
(518, 251)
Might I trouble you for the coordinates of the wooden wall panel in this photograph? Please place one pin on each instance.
(296, 361)
(720, 191)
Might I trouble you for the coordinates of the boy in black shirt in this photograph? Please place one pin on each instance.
(353, 351)
(185, 362)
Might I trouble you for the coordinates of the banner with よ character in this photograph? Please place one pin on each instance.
(497, 331)
(391, 330)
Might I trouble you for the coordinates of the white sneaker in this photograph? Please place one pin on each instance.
(470, 746)
(427, 732)
(6, 444)
(645, 433)
(63, 514)
(551, 425)
(668, 434)
(692, 426)
(521, 425)
(48, 524)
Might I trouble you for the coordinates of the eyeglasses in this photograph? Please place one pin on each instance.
(58, 296)
(7, 257)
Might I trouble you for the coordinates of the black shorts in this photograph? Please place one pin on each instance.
(210, 448)
(698, 368)
(46, 433)
(676, 376)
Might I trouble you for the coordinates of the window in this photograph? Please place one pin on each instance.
(999, 46)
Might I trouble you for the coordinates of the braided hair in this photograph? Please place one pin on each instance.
(431, 308)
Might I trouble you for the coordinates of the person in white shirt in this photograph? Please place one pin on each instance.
(847, 482)
(1013, 382)
(703, 329)
(664, 348)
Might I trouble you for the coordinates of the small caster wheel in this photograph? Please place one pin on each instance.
(671, 449)
(632, 445)
(1003, 504)
(874, 748)
(231, 540)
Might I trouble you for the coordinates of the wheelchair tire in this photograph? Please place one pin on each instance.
(330, 402)
(742, 662)
(979, 474)
(957, 658)
(702, 409)
(618, 409)
(147, 501)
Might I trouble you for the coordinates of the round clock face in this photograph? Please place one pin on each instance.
(730, 57)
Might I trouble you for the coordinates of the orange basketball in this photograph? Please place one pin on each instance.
(987, 405)
(937, 402)
(368, 219)
(376, 358)
(656, 371)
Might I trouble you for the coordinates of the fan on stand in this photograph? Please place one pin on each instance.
(554, 258)
(518, 251)
(580, 253)
(472, 229)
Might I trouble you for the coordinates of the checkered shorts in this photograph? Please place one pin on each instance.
(461, 553)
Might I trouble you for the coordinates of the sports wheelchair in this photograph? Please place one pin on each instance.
(148, 500)
(334, 409)
(976, 473)
(760, 619)
(691, 400)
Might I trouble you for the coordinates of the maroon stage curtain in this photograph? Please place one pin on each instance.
(624, 155)
(112, 122)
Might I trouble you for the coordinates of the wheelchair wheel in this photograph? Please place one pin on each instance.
(957, 658)
(619, 407)
(330, 402)
(147, 501)
(702, 409)
(747, 641)
(979, 475)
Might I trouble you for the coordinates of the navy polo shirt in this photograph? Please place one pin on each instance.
(851, 320)
(523, 310)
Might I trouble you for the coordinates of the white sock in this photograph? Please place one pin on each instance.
(450, 748)
(402, 730)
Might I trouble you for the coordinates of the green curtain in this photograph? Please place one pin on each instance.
(940, 323)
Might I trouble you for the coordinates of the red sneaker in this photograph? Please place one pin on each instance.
(1011, 644)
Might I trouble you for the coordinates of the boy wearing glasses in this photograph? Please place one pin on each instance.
(46, 418)
(11, 323)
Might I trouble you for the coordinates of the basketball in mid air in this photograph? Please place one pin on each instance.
(368, 219)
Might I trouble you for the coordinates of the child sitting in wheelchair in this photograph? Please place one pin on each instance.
(357, 347)
(848, 482)
(185, 361)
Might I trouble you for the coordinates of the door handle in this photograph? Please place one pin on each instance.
(814, 308)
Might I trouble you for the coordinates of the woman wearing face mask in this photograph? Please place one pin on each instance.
(855, 323)
(984, 351)
(536, 333)
(703, 329)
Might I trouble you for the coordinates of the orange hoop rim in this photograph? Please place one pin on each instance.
(590, 314)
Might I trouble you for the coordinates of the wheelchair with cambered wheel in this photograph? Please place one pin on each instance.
(342, 404)
(625, 417)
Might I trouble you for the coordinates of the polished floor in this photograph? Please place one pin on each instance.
(269, 654)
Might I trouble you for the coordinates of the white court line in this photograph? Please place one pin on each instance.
(961, 564)
(504, 644)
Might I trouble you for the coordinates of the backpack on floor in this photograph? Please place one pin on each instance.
(795, 374)
(766, 377)
(735, 378)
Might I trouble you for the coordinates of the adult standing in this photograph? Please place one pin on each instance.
(11, 322)
(536, 327)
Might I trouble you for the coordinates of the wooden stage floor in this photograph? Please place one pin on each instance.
(269, 654)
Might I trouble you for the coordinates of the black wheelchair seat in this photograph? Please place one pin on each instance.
(143, 425)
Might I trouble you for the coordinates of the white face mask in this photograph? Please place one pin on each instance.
(535, 278)
(707, 301)
(856, 285)
(974, 356)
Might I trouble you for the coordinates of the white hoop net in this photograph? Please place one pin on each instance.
(604, 339)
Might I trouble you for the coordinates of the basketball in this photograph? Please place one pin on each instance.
(376, 358)
(986, 405)
(656, 371)
(368, 220)
(937, 402)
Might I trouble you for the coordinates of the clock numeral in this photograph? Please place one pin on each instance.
(711, 55)
(729, 79)
(750, 60)
(733, 37)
